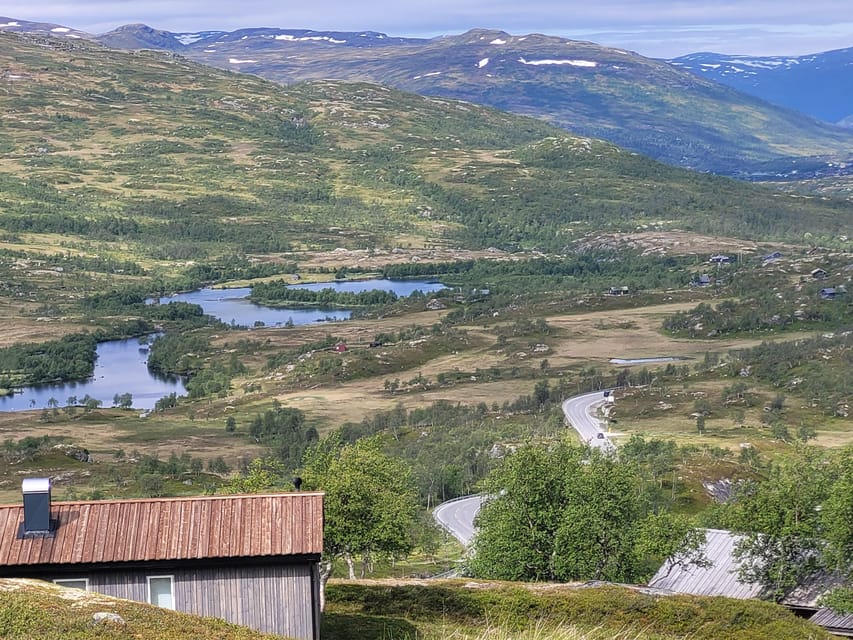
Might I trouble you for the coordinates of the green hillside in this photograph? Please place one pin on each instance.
(638, 103)
(175, 161)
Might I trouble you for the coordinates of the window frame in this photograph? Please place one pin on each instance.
(62, 582)
(171, 579)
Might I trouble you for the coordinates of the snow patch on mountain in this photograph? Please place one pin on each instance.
(498, 41)
(10, 24)
(290, 38)
(238, 61)
(573, 63)
(482, 63)
(60, 30)
(189, 38)
(766, 63)
(427, 75)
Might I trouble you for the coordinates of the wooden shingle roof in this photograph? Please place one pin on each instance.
(242, 526)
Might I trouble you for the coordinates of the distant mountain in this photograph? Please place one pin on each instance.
(638, 103)
(820, 84)
(45, 28)
(344, 38)
(646, 105)
(141, 36)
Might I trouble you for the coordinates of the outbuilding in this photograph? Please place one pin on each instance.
(721, 577)
(720, 259)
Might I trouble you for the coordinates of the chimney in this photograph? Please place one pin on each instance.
(36, 507)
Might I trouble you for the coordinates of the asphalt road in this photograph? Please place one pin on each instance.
(580, 414)
(457, 516)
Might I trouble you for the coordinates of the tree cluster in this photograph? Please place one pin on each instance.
(795, 521)
(278, 291)
(568, 513)
(71, 357)
(283, 429)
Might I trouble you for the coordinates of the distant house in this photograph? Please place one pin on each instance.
(720, 259)
(721, 579)
(251, 560)
(770, 257)
(435, 305)
(340, 347)
(618, 291)
(702, 281)
(818, 274)
(830, 293)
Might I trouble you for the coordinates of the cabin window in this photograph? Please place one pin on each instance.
(161, 591)
(73, 583)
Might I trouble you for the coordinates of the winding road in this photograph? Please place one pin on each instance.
(457, 516)
(580, 413)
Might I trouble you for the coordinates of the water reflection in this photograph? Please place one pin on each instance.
(232, 306)
(122, 366)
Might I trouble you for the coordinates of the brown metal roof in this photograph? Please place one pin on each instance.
(242, 526)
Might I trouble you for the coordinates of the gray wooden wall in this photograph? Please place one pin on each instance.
(273, 599)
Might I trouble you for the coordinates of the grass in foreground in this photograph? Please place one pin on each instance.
(435, 610)
(35, 610)
(479, 610)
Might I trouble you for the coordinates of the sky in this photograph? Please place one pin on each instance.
(653, 28)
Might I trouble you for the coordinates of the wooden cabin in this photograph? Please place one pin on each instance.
(249, 559)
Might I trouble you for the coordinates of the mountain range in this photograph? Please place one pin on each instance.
(650, 106)
(819, 84)
(183, 161)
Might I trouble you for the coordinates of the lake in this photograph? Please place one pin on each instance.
(122, 366)
(233, 307)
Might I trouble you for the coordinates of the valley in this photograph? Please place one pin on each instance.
(149, 200)
(328, 181)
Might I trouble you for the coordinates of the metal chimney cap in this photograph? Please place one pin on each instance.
(35, 485)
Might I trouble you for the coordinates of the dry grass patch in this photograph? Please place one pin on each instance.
(103, 432)
(669, 413)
